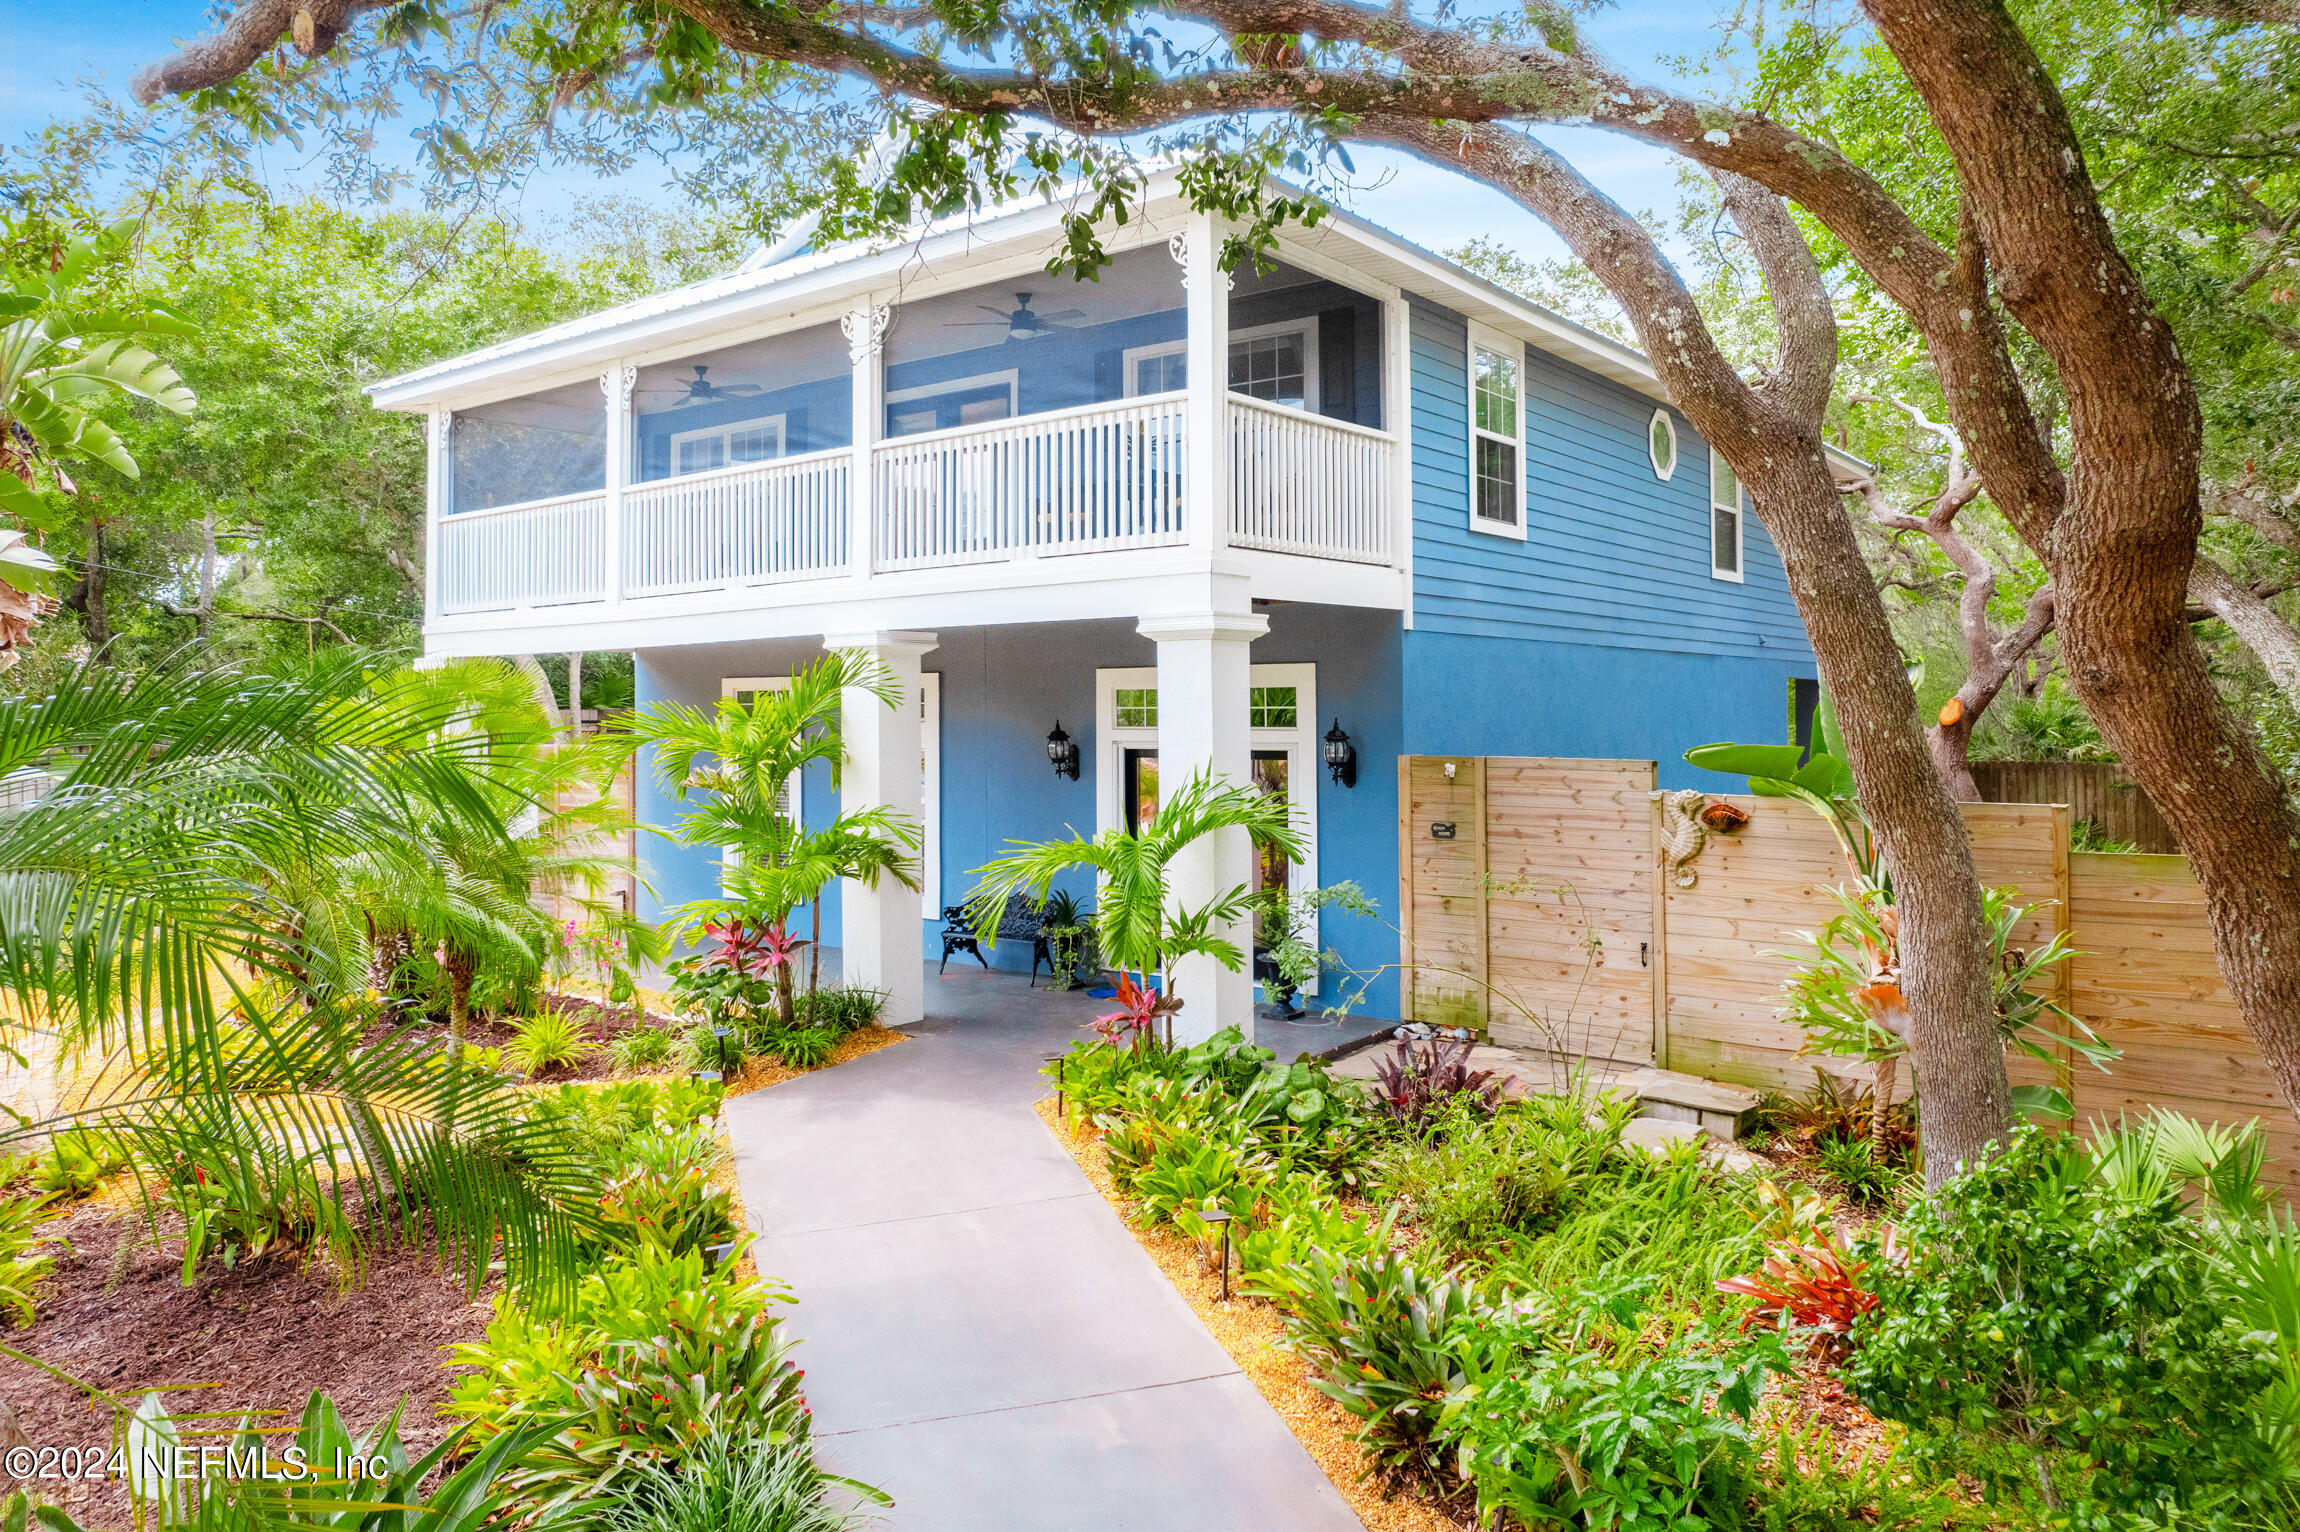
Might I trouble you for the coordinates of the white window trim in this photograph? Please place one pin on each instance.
(1740, 509)
(1483, 339)
(1133, 354)
(1304, 748)
(1668, 424)
(679, 438)
(1009, 376)
(1307, 328)
(930, 763)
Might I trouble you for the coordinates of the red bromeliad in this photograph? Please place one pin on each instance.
(755, 952)
(1139, 1008)
(1814, 1287)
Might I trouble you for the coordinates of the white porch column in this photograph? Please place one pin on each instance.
(438, 492)
(1397, 419)
(1206, 455)
(882, 940)
(1204, 667)
(864, 326)
(617, 382)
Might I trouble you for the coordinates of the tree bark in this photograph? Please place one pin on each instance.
(2122, 549)
(2254, 622)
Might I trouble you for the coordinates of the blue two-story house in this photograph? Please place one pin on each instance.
(1172, 518)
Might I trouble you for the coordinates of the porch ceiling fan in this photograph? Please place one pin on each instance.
(699, 389)
(1022, 322)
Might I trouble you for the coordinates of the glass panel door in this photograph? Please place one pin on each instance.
(1141, 789)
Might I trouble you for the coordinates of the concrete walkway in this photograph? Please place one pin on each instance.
(982, 1336)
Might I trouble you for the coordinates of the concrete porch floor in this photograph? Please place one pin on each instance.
(982, 1336)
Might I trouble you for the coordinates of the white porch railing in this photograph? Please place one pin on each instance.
(1085, 480)
(1303, 483)
(754, 524)
(541, 553)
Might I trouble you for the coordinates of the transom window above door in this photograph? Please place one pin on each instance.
(1135, 707)
(1273, 707)
(745, 441)
(1276, 362)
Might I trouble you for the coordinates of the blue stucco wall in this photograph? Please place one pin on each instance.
(1613, 556)
(1468, 695)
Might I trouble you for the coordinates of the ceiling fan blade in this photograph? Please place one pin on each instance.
(1003, 314)
(976, 324)
(1064, 316)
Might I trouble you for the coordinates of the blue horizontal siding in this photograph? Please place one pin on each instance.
(1613, 556)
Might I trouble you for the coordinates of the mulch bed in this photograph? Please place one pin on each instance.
(116, 1314)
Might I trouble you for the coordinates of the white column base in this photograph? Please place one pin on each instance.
(882, 942)
(1205, 665)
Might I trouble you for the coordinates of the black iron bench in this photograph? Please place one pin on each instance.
(1020, 919)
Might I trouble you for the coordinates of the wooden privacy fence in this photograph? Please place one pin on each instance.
(1543, 881)
(2101, 791)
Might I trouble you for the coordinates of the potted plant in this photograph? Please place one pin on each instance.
(1291, 959)
(1069, 940)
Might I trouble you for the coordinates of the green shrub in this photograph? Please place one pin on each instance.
(239, 1190)
(643, 1047)
(1193, 1172)
(2051, 1333)
(842, 1009)
(659, 1195)
(593, 1119)
(1574, 1415)
(1476, 1182)
(1389, 1346)
(1806, 1485)
(1853, 1164)
(804, 1047)
(546, 1040)
(701, 1047)
(656, 1357)
(76, 1162)
(1293, 1216)
(728, 1484)
(23, 1262)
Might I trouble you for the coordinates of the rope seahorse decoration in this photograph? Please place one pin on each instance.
(1682, 835)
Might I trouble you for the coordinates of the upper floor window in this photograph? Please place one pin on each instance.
(1728, 507)
(1497, 434)
(1277, 362)
(1661, 444)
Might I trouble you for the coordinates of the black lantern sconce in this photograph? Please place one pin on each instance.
(1341, 756)
(1062, 750)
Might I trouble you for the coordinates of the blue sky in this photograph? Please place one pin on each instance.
(59, 46)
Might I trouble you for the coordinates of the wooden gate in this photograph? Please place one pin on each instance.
(1536, 874)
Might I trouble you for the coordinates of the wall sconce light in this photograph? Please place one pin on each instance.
(1341, 756)
(1062, 750)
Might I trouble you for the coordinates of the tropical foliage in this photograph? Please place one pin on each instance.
(1138, 923)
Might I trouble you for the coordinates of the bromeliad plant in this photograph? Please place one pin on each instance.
(1844, 995)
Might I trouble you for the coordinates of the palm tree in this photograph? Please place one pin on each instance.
(165, 908)
(471, 890)
(731, 767)
(1138, 924)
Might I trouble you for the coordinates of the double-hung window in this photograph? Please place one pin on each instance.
(1497, 434)
(1728, 509)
